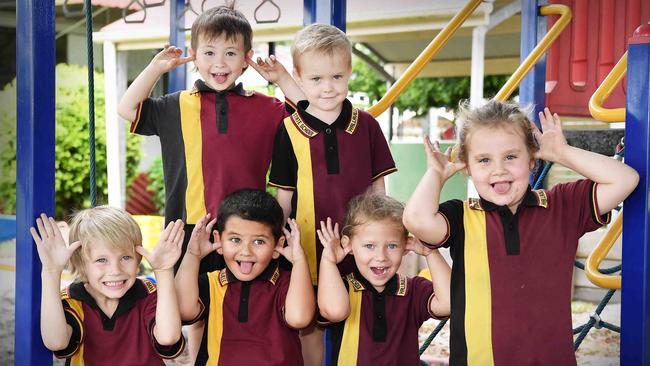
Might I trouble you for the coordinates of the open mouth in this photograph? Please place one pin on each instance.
(114, 284)
(245, 267)
(501, 187)
(220, 78)
(379, 271)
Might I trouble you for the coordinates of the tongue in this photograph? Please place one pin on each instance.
(246, 267)
(221, 78)
(377, 271)
(502, 187)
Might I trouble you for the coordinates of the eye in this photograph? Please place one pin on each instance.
(259, 241)
(338, 77)
(235, 240)
(127, 258)
(511, 157)
(231, 53)
(483, 160)
(369, 246)
(209, 53)
(315, 79)
(392, 246)
(101, 260)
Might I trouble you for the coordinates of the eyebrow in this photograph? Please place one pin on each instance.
(238, 234)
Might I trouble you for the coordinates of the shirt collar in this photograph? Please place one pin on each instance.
(310, 126)
(395, 286)
(201, 86)
(532, 198)
(139, 290)
(271, 274)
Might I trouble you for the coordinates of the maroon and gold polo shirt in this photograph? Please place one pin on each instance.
(126, 338)
(213, 143)
(327, 165)
(245, 322)
(382, 328)
(512, 274)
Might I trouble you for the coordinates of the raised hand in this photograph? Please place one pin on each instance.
(168, 249)
(200, 244)
(551, 141)
(331, 240)
(270, 68)
(51, 247)
(293, 250)
(169, 58)
(415, 245)
(441, 162)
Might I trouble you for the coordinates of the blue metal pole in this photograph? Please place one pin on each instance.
(35, 59)
(635, 298)
(177, 38)
(325, 11)
(533, 28)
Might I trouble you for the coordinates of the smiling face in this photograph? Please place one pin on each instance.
(323, 77)
(220, 61)
(247, 247)
(377, 247)
(499, 163)
(110, 272)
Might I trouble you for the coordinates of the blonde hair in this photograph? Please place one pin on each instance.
(323, 38)
(369, 207)
(492, 115)
(102, 224)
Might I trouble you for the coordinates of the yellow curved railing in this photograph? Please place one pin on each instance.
(598, 255)
(565, 17)
(420, 62)
(604, 90)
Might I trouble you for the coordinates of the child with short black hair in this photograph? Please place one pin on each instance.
(513, 247)
(108, 316)
(252, 308)
(377, 312)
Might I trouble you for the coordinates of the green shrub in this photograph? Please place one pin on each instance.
(72, 167)
(157, 185)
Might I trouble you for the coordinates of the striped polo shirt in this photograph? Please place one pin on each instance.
(244, 321)
(213, 143)
(327, 165)
(125, 338)
(512, 275)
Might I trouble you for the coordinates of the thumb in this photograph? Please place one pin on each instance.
(142, 251)
(74, 246)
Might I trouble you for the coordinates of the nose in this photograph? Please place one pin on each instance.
(115, 267)
(382, 254)
(246, 249)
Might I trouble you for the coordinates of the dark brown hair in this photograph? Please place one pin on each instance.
(225, 20)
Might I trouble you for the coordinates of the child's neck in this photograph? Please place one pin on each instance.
(327, 117)
(105, 304)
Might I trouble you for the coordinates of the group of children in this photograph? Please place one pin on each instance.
(258, 277)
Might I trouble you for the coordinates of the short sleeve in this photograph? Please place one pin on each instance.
(452, 211)
(281, 295)
(421, 296)
(204, 297)
(382, 160)
(154, 111)
(579, 203)
(76, 338)
(149, 316)
(284, 165)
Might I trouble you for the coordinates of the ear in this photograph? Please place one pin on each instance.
(346, 244)
(409, 243)
(217, 240)
(296, 76)
(191, 52)
(278, 245)
(250, 53)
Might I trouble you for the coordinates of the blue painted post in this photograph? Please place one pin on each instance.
(325, 11)
(177, 38)
(533, 28)
(35, 59)
(635, 299)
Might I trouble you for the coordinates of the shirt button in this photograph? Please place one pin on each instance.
(331, 148)
(380, 316)
(244, 299)
(328, 131)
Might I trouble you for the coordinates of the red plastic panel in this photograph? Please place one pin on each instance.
(587, 50)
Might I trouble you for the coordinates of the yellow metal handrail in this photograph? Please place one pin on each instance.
(604, 90)
(565, 17)
(427, 54)
(598, 255)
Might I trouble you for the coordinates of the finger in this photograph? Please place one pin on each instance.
(164, 236)
(35, 235)
(143, 251)
(428, 147)
(55, 227)
(321, 237)
(178, 226)
(273, 58)
(336, 230)
(74, 246)
(41, 228)
(47, 225)
(270, 61)
(178, 239)
(210, 225)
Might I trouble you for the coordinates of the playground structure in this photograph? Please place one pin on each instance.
(35, 184)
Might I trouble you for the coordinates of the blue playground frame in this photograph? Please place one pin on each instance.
(35, 59)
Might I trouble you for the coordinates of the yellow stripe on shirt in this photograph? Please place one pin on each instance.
(349, 350)
(215, 322)
(190, 105)
(305, 212)
(478, 304)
